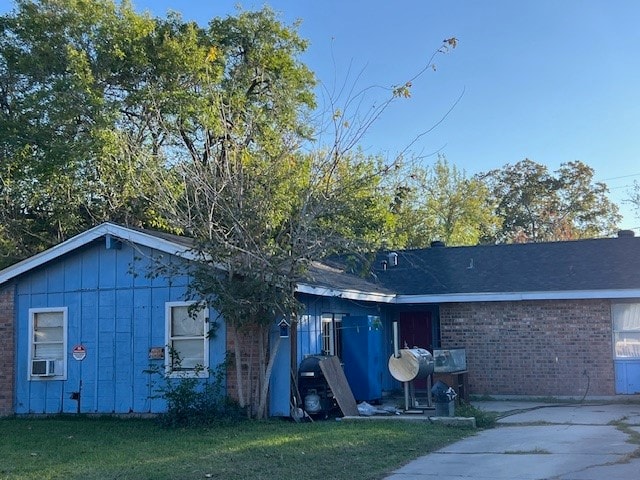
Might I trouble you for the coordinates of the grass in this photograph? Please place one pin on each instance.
(634, 437)
(535, 451)
(111, 448)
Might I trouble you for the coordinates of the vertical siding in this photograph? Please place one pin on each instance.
(280, 386)
(87, 335)
(627, 376)
(105, 355)
(118, 313)
(142, 339)
(309, 340)
(310, 328)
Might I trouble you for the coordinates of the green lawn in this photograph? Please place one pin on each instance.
(111, 448)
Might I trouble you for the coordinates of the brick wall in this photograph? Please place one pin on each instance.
(7, 367)
(535, 348)
(249, 345)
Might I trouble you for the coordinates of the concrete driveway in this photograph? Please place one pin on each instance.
(541, 441)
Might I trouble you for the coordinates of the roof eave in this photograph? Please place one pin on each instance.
(519, 296)
(349, 294)
(122, 233)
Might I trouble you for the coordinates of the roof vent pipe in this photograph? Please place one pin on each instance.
(384, 265)
(626, 233)
(393, 259)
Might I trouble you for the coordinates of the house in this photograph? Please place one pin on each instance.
(81, 323)
(84, 324)
(559, 318)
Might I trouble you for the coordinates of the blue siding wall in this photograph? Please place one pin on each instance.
(627, 376)
(309, 328)
(280, 384)
(117, 313)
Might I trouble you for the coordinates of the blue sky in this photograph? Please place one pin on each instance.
(549, 80)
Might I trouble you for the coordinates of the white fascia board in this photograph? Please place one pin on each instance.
(519, 296)
(90, 235)
(468, 297)
(163, 245)
(346, 294)
(147, 240)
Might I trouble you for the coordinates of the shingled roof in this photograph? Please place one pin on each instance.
(581, 265)
(597, 268)
(321, 279)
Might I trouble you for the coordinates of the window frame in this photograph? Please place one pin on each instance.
(191, 372)
(615, 331)
(334, 337)
(62, 360)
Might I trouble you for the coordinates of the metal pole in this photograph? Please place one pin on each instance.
(396, 351)
(406, 396)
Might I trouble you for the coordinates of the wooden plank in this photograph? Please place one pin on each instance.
(337, 381)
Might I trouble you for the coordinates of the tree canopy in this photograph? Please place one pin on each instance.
(536, 205)
(440, 203)
(71, 150)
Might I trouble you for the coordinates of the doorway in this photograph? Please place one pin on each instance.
(416, 330)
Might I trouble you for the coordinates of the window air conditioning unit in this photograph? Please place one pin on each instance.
(43, 368)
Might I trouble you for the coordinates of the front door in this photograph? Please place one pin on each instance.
(416, 330)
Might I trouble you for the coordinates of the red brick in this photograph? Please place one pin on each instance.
(248, 340)
(7, 367)
(533, 348)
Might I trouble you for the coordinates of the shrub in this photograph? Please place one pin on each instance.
(483, 418)
(193, 401)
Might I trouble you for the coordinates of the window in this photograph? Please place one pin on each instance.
(332, 333)
(626, 330)
(48, 343)
(187, 343)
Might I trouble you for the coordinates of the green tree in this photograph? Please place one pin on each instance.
(70, 73)
(256, 204)
(536, 205)
(233, 124)
(441, 203)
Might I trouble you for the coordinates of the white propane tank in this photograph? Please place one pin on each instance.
(312, 403)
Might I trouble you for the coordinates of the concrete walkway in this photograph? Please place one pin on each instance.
(535, 441)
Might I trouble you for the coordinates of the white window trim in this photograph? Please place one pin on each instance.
(167, 343)
(334, 321)
(614, 331)
(65, 316)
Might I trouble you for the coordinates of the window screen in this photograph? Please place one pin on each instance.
(332, 333)
(626, 330)
(186, 339)
(47, 343)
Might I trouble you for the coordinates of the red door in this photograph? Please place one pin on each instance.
(415, 330)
